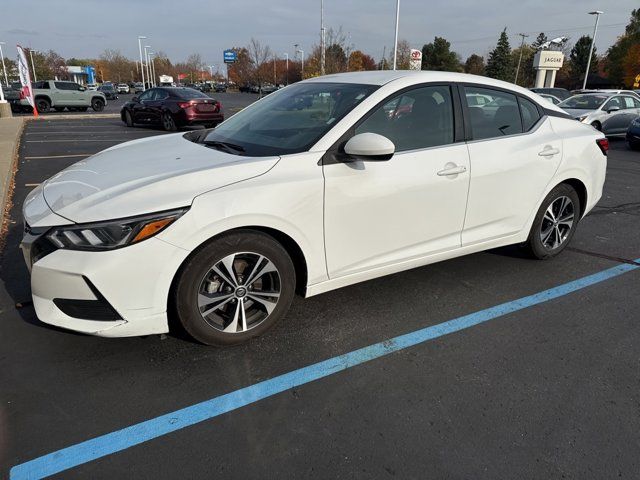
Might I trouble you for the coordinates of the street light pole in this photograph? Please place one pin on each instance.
(322, 46)
(520, 58)
(395, 43)
(141, 65)
(597, 13)
(4, 68)
(35, 78)
(153, 69)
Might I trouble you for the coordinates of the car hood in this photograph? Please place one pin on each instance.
(577, 112)
(145, 176)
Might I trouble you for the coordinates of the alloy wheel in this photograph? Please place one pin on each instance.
(239, 292)
(557, 222)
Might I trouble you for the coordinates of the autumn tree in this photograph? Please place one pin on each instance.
(259, 54)
(618, 54)
(359, 61)
(526, 74)
(474, 65)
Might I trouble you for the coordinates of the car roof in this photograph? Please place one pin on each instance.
(382, 77)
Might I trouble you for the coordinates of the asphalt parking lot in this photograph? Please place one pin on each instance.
(542, 390)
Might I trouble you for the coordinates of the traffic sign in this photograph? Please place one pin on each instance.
(230, 56)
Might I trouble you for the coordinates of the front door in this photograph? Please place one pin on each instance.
(380, 213)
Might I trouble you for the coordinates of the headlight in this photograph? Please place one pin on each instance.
(582, 118)
(112, 234)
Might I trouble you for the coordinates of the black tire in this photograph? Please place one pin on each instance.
(634, 145)
(197, 272)
(597, 126)
(535, 246)
(59, 109)
(97, 104)
(128, 119)
(43, 105)
(168, 123)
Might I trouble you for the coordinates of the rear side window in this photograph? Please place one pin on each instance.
(189, 93)
(530, 113)
(161, 95)
(628, 102)
(415, 119)
(497, 118)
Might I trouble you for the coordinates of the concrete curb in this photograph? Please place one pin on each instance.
(10, 134)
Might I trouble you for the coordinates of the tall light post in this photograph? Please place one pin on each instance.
(152, 69)
(146, 63)
(35, 77)
(141, 63)
(395, 43)
(322, 46)
(520, 57)
(286, 55)
(301, 52)
(4, 68)
(597, 13)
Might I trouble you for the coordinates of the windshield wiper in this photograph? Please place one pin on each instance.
(226, 146)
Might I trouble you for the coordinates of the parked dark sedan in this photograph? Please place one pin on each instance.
(633, 134)
(172, 108)
(109, 91)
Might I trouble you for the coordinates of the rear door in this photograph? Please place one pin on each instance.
(514, 155)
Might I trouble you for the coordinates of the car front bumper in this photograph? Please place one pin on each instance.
(117, 293)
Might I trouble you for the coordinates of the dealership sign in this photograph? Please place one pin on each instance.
(230, 56)
(416, 60)
(548, 60)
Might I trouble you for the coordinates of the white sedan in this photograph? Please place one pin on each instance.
(325, 183)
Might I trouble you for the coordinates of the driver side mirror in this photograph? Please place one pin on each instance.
(370, 147)
(613, 109)
(82, 89)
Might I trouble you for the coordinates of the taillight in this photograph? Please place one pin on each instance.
(603, 143)
(185, 104)
(219, 105)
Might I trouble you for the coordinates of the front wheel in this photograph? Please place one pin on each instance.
(128, 119)
(555, 223)
(235, 288)
(97, 104)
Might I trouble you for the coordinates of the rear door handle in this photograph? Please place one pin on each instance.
(549, 152)
(452, 170)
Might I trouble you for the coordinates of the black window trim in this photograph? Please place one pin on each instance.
(542, 111)
(335, 153)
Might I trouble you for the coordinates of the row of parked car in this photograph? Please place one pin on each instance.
(613, 112)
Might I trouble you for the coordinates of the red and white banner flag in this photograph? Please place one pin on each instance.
(25, 79)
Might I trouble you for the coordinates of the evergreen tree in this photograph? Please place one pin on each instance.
(540, 39)
(579, 57)
(500, 63)
(438, 56)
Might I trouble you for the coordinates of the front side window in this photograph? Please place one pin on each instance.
(147, 95)
(288, 121)
(418, 118)
(497, 118)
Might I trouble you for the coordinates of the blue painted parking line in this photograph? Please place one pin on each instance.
(119, 440)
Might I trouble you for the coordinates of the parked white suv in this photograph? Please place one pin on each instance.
(325, 183)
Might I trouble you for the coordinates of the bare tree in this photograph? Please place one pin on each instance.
(258, 55)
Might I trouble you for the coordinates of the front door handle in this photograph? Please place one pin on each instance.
(549, 152)
(452, 169)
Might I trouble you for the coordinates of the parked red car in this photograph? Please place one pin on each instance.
(172, 108)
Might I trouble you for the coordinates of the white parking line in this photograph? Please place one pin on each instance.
(88, 133)
(68, 140)
(31, 184)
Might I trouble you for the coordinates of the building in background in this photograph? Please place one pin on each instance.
(83, 75)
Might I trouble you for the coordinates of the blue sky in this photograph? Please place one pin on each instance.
(84, 28)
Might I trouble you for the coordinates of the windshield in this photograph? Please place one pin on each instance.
(290, 120)
(584, 102)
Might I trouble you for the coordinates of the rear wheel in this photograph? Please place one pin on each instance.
(168, 123)
(43, 105)
(235, 288)
(555, 223)
(97, 104)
